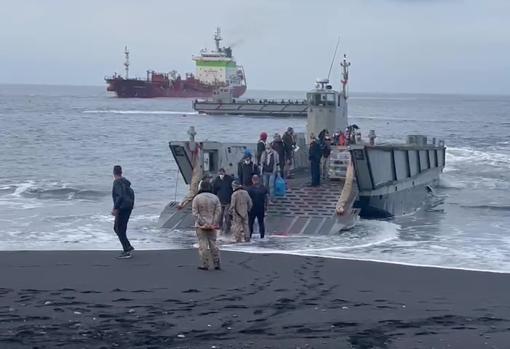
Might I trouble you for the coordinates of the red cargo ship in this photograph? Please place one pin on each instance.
(215, 68)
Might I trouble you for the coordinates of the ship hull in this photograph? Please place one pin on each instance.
(134, 88)
(396, 180)
(398, 203)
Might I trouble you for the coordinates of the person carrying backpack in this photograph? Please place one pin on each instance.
(123, 202)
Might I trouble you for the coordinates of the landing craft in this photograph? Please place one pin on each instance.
(365, 179)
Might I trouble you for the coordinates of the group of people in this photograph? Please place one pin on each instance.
(227, 205)
(240, 205)
(320, 150)
(272, 159)
(318, 154)
(232, 205)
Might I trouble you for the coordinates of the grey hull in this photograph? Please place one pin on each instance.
(394, 204)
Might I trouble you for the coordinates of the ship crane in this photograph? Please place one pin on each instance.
(126, 62)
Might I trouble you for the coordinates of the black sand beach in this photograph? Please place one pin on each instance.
(158, 299)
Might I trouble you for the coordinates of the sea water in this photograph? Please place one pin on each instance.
(58, 146)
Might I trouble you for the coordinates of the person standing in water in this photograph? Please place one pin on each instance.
(258, 194)
(222, 188)
(123, 203)
(206, 207)
(240, 206)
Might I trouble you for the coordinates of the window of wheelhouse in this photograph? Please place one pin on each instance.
(321, 99)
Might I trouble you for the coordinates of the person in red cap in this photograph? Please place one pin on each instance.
(261, 147)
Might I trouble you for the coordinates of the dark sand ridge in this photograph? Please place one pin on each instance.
(159, 299)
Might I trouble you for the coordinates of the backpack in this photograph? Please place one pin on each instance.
(128, 197)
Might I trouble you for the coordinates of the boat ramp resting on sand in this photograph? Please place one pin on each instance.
(366, 179)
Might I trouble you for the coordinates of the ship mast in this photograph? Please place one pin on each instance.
(217, 38)
(126, 62)
(345, 75)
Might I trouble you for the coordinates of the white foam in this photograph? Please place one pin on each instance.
(149, 112)
(469, 155)
(379, 232)
(451, 183)
(22, 187)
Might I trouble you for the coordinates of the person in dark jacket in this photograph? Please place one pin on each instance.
(258, 194)
(222, 188)
(289, 144)
(123, 203)
(314, 155)
(246, 168)
(261, 147)
(326, 152)
(279, 147)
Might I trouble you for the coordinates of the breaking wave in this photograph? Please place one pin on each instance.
(468, 155)
(365, 235)
(494, 207)
(450, 183)
(148, 112)
(30, 190)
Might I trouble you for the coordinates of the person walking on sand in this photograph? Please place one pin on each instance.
(123, 203)
(240, 205)
(206, 207)
(222, 188)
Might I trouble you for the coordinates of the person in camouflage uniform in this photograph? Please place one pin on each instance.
(206, 207)
(240, 205)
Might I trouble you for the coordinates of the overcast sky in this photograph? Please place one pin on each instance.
(432, 46)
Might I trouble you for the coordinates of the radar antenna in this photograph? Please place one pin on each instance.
(126, 62)
(345, 75)
(218, 38)
(334, 55)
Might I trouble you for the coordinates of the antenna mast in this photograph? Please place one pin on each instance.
(217, 38)
(345, 75)
(126, 62)
(334, 55)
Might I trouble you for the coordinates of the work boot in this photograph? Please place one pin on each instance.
(124, 255)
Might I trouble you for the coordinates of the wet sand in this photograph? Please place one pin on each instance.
(158, 299)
